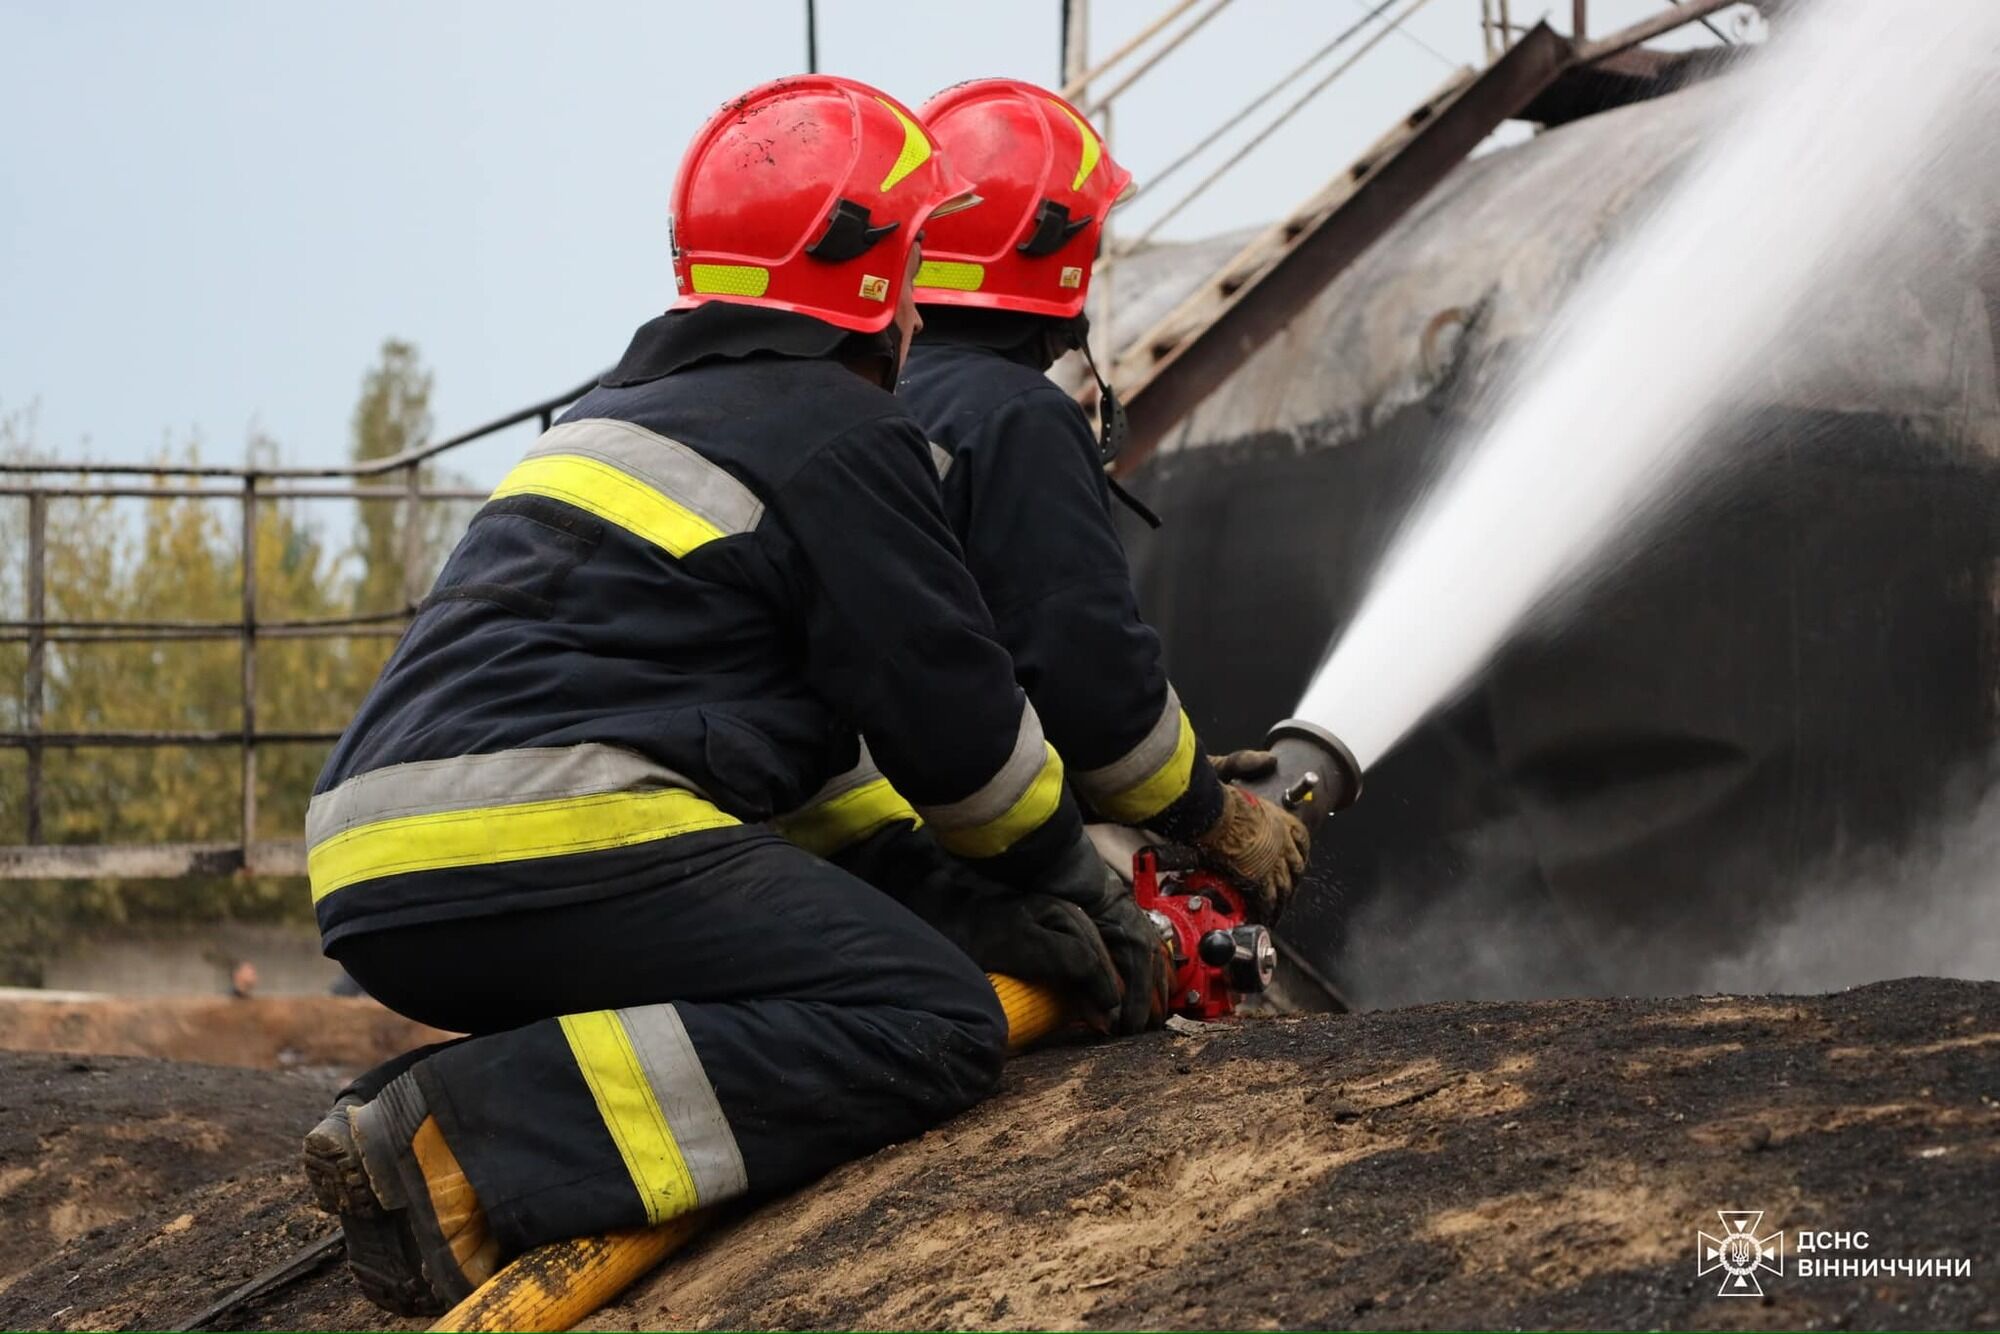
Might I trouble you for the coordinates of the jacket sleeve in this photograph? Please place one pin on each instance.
(850, 807)
(898, 639)
(1039, 541)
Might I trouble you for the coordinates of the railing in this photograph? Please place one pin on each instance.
(249, 487)
(371, 481)
(1371, 22)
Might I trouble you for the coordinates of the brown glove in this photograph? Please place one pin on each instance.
(1243, 764)
(1262, 845)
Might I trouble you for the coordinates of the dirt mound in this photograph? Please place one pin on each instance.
(264, 1032)
(1454, 1165)
(88, 1141)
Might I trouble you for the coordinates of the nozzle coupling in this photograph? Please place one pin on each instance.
(1316, 774)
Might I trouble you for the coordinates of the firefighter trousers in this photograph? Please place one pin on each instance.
(755, 1019)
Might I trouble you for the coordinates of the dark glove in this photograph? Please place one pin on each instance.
(1145, 966)
(1259, 844)
(1037, 938)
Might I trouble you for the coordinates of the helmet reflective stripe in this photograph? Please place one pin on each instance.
(916, 148)
(1093, 148)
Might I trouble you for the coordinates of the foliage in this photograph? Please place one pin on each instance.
(169, 558)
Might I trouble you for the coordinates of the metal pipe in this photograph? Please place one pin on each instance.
(1647, 29)
(138, 492)
(1326, 81)
(388, 463)
(1075, 85)
(231, 628)
(413, 539)
(119, 740)
(1284, 81)
(249, 714)
(1167, 48)
(91, 634)
(37, 580)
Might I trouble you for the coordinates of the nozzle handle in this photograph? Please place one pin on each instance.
(1316, 773)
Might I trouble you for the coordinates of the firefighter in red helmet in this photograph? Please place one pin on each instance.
(548, 824)
(1002, 290)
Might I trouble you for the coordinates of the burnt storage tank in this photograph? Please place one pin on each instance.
(1792, 681)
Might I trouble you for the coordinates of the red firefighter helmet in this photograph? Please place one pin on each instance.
(1045, 182)
(806, 194)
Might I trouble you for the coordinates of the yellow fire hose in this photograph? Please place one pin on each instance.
(553, 1287)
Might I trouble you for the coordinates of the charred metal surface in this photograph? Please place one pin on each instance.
(1619, 80)
(1261, 308)
(1678, 14)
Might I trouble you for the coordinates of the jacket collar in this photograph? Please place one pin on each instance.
(721, 331)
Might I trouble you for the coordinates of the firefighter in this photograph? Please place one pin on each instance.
(547, 824)
(1002, 290)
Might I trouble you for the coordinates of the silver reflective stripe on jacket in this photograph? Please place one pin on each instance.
(1107, 782)
(466, 782)
(666, 465)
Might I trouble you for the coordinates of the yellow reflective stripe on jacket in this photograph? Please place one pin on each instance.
(1024, 817)
(826, 825)
(1151, 776)
(483, 835)
(651, 486)
(659, 1107)
(1012, 804)
(612, 496)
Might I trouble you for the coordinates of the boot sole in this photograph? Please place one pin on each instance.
(382, 1248)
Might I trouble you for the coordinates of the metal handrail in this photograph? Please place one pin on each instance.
(543, 411)
(248, 485)
(45, 480)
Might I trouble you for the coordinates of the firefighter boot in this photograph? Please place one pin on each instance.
(416, 1237)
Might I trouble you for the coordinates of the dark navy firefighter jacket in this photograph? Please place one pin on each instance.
(1025, 492)
(671, 619)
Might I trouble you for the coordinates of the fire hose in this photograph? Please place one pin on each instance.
(1218, 957)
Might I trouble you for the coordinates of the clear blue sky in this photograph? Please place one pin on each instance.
(213, 211)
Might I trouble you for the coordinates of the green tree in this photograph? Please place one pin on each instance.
(392, 416)
(170, 558)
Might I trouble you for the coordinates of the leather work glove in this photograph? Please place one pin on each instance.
(1145, 964)
(1037, 938)
(1243, 764)
(1260, 844)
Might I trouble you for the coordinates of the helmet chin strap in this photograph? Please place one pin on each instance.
(881, 350)
(1112, 428)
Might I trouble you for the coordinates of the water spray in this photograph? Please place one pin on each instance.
(1860, 112)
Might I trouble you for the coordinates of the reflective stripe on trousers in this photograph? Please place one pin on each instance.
(659, 1106)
